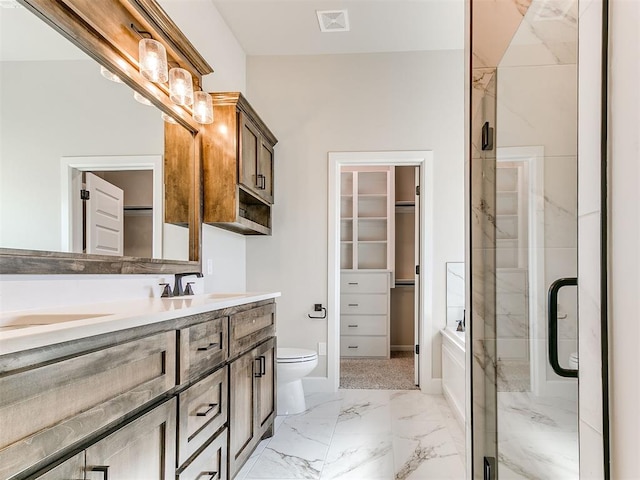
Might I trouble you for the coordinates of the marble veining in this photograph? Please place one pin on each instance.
(363, 435)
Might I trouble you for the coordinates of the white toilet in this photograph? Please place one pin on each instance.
(573, 361)
(293, 364)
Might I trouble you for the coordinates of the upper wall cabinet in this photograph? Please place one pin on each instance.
(238, 167)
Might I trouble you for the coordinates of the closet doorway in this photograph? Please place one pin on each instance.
(378, 294)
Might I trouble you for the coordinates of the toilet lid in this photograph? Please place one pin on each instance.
(291, 355)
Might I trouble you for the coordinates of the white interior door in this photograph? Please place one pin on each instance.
(104, 217)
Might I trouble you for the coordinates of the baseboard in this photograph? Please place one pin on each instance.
(457, 410)
(402, 348)
(432, 386)
(317, 385)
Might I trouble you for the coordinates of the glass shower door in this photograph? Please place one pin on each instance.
(524, 242)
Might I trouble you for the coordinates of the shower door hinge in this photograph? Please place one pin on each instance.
(489, 468)
(417, 189)
(417, 349)
(84, 194)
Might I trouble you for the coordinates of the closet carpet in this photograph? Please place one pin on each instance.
(381, 374)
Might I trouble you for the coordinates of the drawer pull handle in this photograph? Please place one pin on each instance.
(353, 283)
(352, 346)
(212, 475)
(353, 326)
(104, 469)
(207, 411)
(262, 369)
(208, 347)
(353, 304)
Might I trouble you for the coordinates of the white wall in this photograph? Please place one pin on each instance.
(375, 102)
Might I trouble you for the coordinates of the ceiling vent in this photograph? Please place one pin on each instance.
(333, 20)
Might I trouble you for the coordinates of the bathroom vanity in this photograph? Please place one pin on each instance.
(181, 388)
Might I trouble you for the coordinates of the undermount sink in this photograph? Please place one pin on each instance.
(24, 321)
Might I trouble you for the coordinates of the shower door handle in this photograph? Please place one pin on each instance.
(553, 326)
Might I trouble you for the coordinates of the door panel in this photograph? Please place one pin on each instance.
(104, 217)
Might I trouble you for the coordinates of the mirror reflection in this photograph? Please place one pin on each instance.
(66, 130)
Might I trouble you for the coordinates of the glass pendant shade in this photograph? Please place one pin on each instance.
(180, 86)
(142, 99)
(202, 108)
(109, 75)
(168, 118)
(152, 60)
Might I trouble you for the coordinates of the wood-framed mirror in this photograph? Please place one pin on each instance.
(45, 228)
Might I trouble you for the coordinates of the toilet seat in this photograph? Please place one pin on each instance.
(295, 355)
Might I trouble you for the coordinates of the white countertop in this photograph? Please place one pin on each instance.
(38, 328)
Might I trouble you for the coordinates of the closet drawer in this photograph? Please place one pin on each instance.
(211, 463)
(202, 411)
(364, 346)
(363, 325)
(248, 328)
(364, 282)
(352, 304)
(49, 407)
(202, 348)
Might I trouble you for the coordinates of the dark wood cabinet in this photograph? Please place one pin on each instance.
(188, 398)
(238, 163)
(252, 402)
(144, 448)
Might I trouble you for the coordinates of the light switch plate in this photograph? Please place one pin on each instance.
(322, 348)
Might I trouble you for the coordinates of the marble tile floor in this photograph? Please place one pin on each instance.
(538, 437)
(363, 435)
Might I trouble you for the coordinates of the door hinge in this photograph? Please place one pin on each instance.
(417, 269)
(489, 468)
(84, 194)
(417, 349)
(417, 189)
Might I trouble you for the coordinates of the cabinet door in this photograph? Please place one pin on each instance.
(265, 171)
(72, 469)
(145, 448)
(266, 384)
(249, 154)
(243, 405)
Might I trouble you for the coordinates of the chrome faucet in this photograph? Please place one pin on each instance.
(177, 287)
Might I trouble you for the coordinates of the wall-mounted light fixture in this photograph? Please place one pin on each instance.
(142, 99)
(180, 87)
(152, 60)
(203, 107)
(109, 75)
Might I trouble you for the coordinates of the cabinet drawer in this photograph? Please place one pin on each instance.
(49, 407)
(353, 304)
(251, 327)
(364, 282)
(202, 348)
(363, 325)
(353, 346)
(210, 464)
(202, 411)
